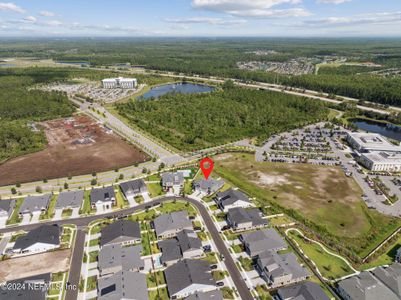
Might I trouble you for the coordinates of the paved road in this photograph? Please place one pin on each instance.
(242, 288)
(75, 266)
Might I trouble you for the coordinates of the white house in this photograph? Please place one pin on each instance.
(103, 199)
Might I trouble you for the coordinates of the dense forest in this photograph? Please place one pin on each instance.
(198, 121)
(219, 57)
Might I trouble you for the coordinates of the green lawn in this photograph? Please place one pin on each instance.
(219, 275)
(263, 292)
(155, 189)
(86, 207)
(386, 258)
(329, 266)
(228, 293)
(326, 200)
(211, 258)
(246, 263)
(66, 213)
(50, 211)
(15, 218)
(91, 283)
(121, 202)
(167, 207)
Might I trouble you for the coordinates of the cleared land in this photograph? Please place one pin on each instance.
(75, 146)
(50, 262)
(322, 197)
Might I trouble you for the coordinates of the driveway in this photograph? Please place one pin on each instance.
(58, 214)
(3, 243)
(26, 218)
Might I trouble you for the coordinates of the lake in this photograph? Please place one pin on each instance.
(180, 88)
(387, 130)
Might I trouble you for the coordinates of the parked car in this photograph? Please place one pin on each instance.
(213, 267)
(220, 283)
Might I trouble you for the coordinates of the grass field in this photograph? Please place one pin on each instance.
(322, 197)
(329, 266)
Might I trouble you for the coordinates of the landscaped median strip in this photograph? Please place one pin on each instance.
(355, 272)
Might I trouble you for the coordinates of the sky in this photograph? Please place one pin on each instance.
(206, 18)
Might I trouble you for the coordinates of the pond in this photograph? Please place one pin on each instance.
(179, 88)
(388, 130)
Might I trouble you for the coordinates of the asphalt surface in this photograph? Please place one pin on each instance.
(75, 267)
(76, 261)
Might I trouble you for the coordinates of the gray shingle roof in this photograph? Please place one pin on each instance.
(35, 203)
(70, 199)
(390, 276)
(173, 249)
(123, 285)
(241, 215)
(231, 196)
(212, 295)
(177, 220)
(126, 258)
(187, 272)
(133, 187)
(306, 291)
(261, 240)
(366, 287)
(47, 234)
(119, 232)
(6, 207)
(170, 179)
(102, 194)
(27, 294)
(208, 186)
(277, 265)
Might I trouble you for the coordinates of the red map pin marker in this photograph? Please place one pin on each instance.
(206, 166)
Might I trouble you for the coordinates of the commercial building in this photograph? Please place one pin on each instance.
(381, 161)
(122, 232)
(368, 142)
(245, 219)
(120, 82)
(168, 225)
(188, 277)
(41, 239)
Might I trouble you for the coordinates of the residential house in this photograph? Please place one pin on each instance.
(188, 277)
(35, 205)
(231, 199)
(6, 209)
(245, 219)
(173, 182)
(185, 245)
(303, 291)
(125, 285)
(261, 240)
(41, 239)
(123, 232)
(134, 188)
(280, 269)
(390, 276)
(103, 198)
(69, 200)
(398, 255)
(115, 258)
(168, 225)
(35, 288)
(207, 186)
(364, 286)
(212, 295)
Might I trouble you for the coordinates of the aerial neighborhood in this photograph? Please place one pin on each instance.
(139, 163)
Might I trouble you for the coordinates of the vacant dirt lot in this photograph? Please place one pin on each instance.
(51, 262)
(76, 146)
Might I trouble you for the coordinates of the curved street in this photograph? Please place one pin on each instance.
(82, 222)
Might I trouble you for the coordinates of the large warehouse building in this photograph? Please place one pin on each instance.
(120, 82)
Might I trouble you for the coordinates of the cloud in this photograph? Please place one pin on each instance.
(362, 19)
(30, 19)
(46, 13)
(254, 8)
(9, 6)
(204, 20)
(332, 1)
